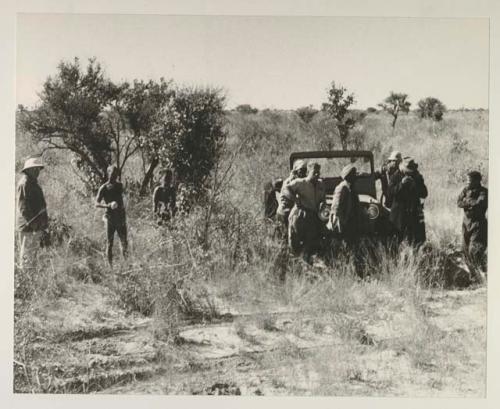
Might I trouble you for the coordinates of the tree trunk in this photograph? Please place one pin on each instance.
(149, 175)
(394, 121)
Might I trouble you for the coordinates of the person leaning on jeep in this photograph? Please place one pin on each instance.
(32, 213)
(111, 193)
(305, 228)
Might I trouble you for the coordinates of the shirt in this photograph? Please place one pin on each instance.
(112, 192)
(474, 201)
(285, 197)
(308, 194)
(164, 198)
(345, 207)
(32, 212)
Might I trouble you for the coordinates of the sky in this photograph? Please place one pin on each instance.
(267, 62)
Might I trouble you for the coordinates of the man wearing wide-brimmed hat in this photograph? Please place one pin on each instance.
(407, 189)
(388, 169)
(474, 200)
(32, 212)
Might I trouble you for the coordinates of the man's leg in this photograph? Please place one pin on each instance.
(311, 236)
(466, 242)
(110, 235)
(294, 236)
(28, 249)
(477, 246)
(121, 229)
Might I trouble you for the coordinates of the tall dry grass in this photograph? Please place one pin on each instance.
(171, 273)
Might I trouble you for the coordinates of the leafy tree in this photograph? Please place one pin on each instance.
(71, 116)
(396, 103)
(431, 107)
(246, 109)
(306, 113)
(338, 107)
(142, 106)
(188, 135)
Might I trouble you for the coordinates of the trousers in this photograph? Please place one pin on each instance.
(29, 244)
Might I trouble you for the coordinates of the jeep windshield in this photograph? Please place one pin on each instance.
(332, 167)
(332, 163)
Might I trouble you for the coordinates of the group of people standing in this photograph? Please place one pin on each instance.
(33, 219)
(300, 198)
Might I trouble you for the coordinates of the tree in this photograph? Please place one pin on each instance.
(188, 135)
(338, 107)
(246, 109)
(71, 116)
(396, 103)
(306, 113)
(431, 107)
(143, 103)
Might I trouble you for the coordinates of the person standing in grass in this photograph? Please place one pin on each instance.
(474, 200)
(286, 202)
(32, 213)
(111, 193)
(385, 174)
(406, 190)
(164, 198)
(304, 227)
(345, 214)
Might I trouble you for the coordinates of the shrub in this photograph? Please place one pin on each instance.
(431, 108)
(246, 109)
(306, 113)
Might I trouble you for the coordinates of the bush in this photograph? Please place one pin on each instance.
(431, 108)
(306, 113)
(246, 109)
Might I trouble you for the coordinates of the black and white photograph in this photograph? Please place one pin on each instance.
(256, 205)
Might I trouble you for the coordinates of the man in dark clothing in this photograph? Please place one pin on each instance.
(164, 199)
(345, 215)
(32, 213)
(111, 193)
(406, 189)
(271, 192)
(474, 200)
(385, 174)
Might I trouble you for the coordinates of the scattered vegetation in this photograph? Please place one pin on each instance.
(220, 250)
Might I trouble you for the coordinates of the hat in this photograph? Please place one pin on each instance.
(408, 165)
(313, 165)
(277, 183)
(395, 155)
(474, 174)
(347, 170)
(33, 163)
(299, 164)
